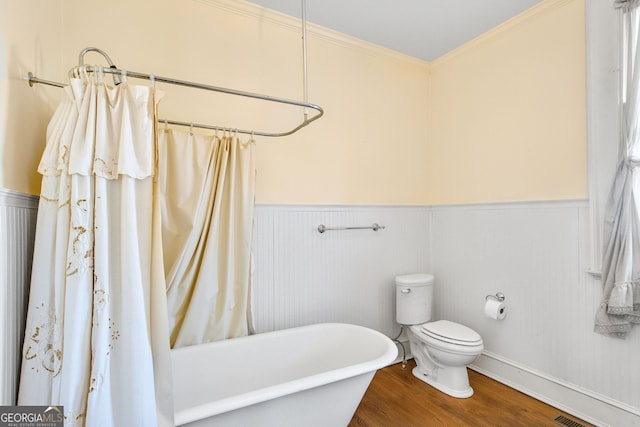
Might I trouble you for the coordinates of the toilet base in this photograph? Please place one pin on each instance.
(459, 393)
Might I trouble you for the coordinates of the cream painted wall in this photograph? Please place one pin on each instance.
(369, 148)
(500, 119)
(30, 40)
(508, 120)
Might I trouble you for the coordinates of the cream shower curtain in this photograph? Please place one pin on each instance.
(97, 333)
(207, 215)
(620, 305)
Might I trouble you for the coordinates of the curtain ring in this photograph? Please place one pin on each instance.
(250, 141)
(84, 74)
(100, 72)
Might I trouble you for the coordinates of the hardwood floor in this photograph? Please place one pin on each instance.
(396, 398)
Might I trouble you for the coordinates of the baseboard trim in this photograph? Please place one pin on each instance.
(584, 404)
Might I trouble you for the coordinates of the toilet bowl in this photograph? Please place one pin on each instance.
(442, 349)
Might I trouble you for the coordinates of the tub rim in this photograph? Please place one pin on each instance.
(229, 404)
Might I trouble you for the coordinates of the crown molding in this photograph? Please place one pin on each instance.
(545, 6)
(262, 14)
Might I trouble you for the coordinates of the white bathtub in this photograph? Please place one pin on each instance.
(308, 376)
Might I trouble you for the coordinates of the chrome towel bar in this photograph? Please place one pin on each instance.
(375, 227)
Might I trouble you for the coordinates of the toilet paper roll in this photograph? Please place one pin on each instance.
(495, 309)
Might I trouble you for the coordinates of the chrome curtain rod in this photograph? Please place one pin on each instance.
(31, 79)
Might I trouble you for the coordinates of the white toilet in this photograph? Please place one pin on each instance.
(442, 349)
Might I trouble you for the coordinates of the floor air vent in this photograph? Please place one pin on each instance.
(561, 419)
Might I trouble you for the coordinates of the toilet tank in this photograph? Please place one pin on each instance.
(414, 294)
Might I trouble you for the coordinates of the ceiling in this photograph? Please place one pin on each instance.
(425, 29)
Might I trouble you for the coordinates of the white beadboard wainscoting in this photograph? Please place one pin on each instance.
(302, 276)
(17, 222)
(536, 253)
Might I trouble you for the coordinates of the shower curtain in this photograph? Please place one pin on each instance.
(96, 338)
(207, 217)
(620, 305)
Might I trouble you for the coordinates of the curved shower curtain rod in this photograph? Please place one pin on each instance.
(116, 72)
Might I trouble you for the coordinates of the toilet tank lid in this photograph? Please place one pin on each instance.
(417, 279)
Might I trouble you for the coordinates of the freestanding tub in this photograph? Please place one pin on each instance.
(308, 376)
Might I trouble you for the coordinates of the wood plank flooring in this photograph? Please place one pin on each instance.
(396, 398)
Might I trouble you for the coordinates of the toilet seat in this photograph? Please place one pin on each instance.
(451, 332)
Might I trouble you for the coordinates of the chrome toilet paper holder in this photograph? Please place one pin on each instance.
(499, 296)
